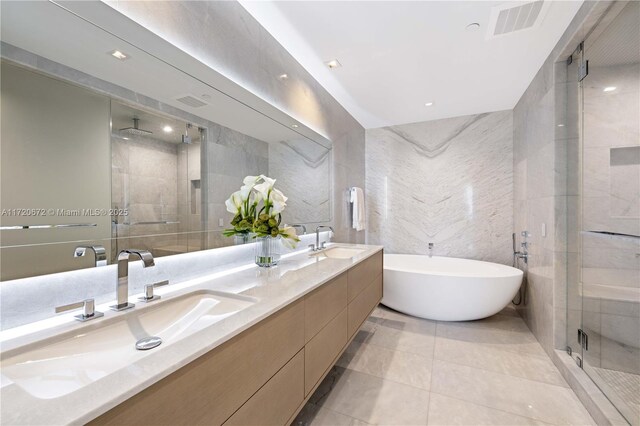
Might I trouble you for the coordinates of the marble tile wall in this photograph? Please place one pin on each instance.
(611, 178)
(302, 169)
(144, 180)
(191, 186)
(228, 37)
(448, 181)
(230, 157)
(546, 177)
(539, 200)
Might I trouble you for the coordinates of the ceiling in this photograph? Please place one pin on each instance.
(397, 56)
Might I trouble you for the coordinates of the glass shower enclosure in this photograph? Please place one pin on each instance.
(603, 206)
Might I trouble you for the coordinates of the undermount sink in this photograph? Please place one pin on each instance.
(59, 366)
(340, 252)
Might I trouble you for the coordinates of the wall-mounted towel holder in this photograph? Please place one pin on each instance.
(356, 211)
(351, 188)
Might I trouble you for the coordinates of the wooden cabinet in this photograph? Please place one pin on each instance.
(361, 275)
(265, 374)
(323, 349)
(277, 399)
(363, 304)
(211, 388)
(323, 304)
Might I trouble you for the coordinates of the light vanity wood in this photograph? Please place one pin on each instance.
(276, 400)
(323, 304)
(323, 349)
(361, 275)
(264, 375)
(360, 307)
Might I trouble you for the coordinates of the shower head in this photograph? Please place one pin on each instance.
(136, 130)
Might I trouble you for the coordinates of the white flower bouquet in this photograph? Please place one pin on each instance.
(257, 208)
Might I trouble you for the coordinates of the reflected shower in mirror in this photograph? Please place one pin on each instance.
(156, 184)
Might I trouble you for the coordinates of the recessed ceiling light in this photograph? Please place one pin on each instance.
(126, 139)
(428, 104)
(334, 63)
(560, 125)
(473, 26)
(295, 126)
(119, 55)
(283, 76)
(609, 89)
(167, 129)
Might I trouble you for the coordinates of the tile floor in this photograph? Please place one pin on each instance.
(623, 388)
(401, 370)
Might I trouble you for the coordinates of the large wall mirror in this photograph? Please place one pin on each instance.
(126, 149)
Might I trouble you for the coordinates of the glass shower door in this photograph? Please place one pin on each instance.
(609, 238)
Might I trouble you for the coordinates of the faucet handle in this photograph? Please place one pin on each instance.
(88, 310)
(148, 291)
(312, 247)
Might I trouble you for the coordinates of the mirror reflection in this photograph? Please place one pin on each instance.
(100, 151)
(156, 185)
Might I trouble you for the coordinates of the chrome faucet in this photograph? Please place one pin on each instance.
(122, 286)
(99, 253)
(299, 225)
(524, 254)
(317, 246)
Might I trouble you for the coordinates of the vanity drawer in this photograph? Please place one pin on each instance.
(323, 349)
(277, 400)
(323, 304)
(211, 388)
(360, 308)
(361, 275)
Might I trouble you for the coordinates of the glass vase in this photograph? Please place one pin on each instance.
(240, 239)
(267, 251)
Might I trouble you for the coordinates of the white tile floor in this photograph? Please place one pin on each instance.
(402, 370)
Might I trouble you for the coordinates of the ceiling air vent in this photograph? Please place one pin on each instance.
(508, 18)
(191, 101)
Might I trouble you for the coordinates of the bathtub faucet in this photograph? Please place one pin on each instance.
(524, 254)
(430, 249)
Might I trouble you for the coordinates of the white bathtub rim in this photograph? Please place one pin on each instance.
(507, 271)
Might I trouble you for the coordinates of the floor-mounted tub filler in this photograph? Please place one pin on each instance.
(447, 288)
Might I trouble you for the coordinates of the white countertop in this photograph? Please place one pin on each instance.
(275, 288)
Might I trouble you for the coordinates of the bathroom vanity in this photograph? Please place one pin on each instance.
(258, 364)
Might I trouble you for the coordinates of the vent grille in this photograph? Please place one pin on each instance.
(191, 101)
(511, 19)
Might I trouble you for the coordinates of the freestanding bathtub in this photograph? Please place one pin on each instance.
(447, 288)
